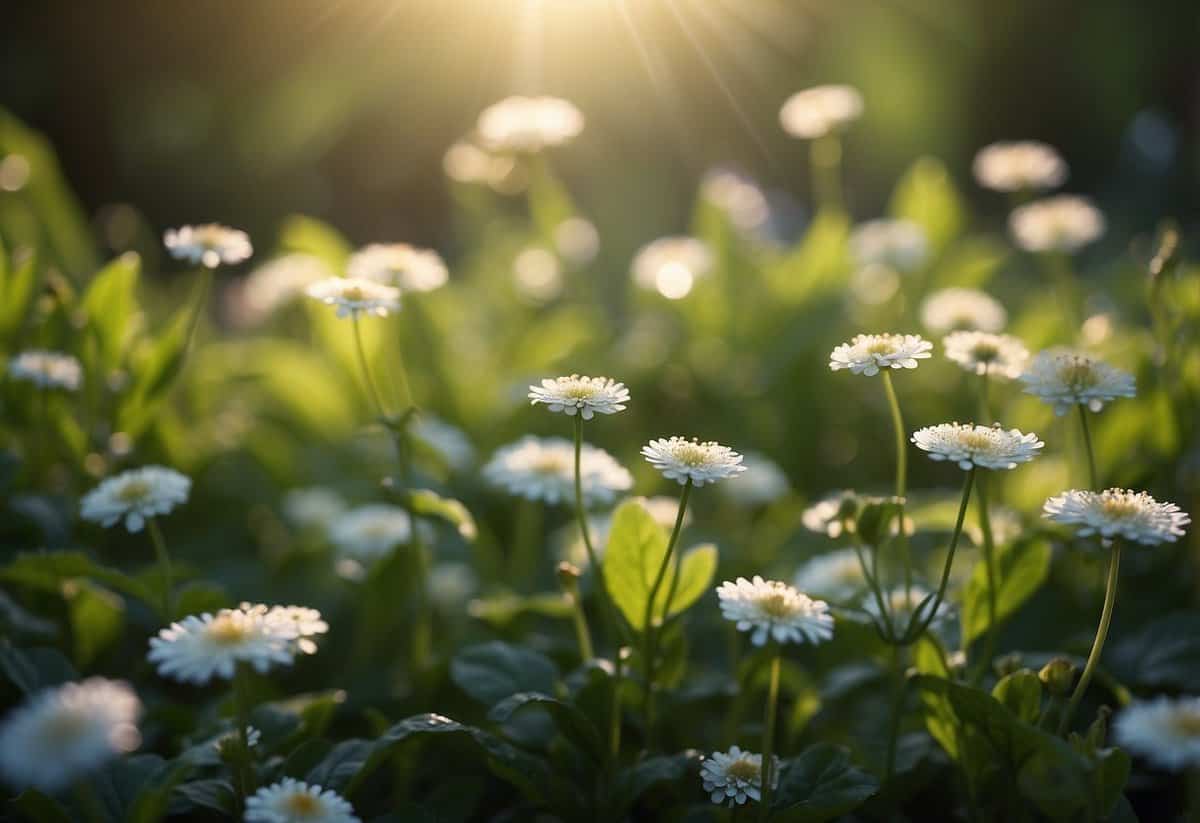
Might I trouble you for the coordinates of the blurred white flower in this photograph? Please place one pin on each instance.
(771, 609)
(465, 162)
(1165, 731)
(528, 124)
(980, 352)
(371, 531)
(735, 776)
(451, 586)
(1065, 378)
(291, 801)
(971, 446)
(537, 274)
(969, 309)
(874, 284)
(671, 265)
(274, 284)
(46, 369)
(400, 265)
(448, 441)
(836, 575)
(135, 495)
(821, 110)
(198, 648)
(314, 507)
(829, 514)
(1026, 165)
(868, 353)
(577, 240)
(680, 459)
(898, 244)
(299, 623)
(61, 734)
(1064, 223)
(901, 603)
(740, 198)
(764, 481)
(232, 738)
(210, 244)
(543, 468)
(1113, 513)
(582, 394)
(353, 297)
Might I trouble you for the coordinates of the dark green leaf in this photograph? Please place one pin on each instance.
(32, 670)
(875, 518)
(47, 571)
(490, 672)
(1020, 693)
(97, 618)
(36, 807)
(1021, 568)
(821, 784)
(570, 721)
(634, 781)
(108, 306)
(215, 794)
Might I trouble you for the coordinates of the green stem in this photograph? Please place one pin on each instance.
(1110, 599)
(1059, 265)
(825, 159)
(164, 564)
(570, 584)
(1093, 475)
(918, 624)
(897, 712)
(376, 397)
(901, 474)
(614, 716)
(769, 723)
(610, 619)
(989, 560)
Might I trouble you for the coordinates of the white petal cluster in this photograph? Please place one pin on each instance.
(868, 353)
(955, 308)
(735, 776)
(1135, 516)
(300, 623)
(371, 531)
(681, 460)
(901, 603)
(820, 111)
(980, 352)
(837, 575)
(353, 296)
(46, 369)
(1067, 378)
(274, 284)
(210, 244)
(292, 801)
(1021, 166)
(827, 516)
(135, 495)
(528, 124)
(672, 265)
(974, 446)
(200, 647)
(61, 734)
(1165, 731)
(465, 162)
(543, 469)
(897, 244)
(1064, 223)
(577, 393)
(400, 265)
(577, 240)
(771, 609)
(741, 199)
(314, 507)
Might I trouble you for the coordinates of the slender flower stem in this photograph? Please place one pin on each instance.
(825, 162)
(614, 717)
(568, 578)
(901, 474)
(164, 564)
(372, 387)
(989, 561)
(985, 412)
(897, 712)
(1110, 599)
(241, 707)
(610, 619)
(918, 623)
(1093, 475)
(769, 723)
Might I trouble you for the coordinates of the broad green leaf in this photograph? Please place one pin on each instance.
(108, 306)
(636, 545)
(36, 807)
(926, 195)
(1021, 567)
(1164, 654)
(634, 781)
(306, 235)
(821, 784)
(215, 794)
(501, 609)
(569, 720)
(1020, 693)
(490, 672)
(549, 201)
(818, 264)
(430, 503)
(32, 670)
(940, 720)
(97, 618)
(695, 569)
(48, 571)
(17, 289)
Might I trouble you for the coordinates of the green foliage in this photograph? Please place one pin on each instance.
(821, 784)
(1021, 568)
(492, 671)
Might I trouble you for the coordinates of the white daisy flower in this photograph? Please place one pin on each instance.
(46, 369)
(370, 532)
(980, 352)
(971, 446)
(521, 125)
(969, 309)
(836, 575)
(291, 801)
(735, 776)
(897, 244)
(275, 284)
(232, 738)
(821, 110)
(353, 297)
(300, 623)
(543, 469)
(741, 199)
(577, 240)
(198, 648)
(398, 264)
(135, 495)
(1067, 378)
(465, 162)
(901, 604)
(61, 734)
(451, 585)
(772, 609)
(313, 508)
(1024, 165)
(1165, 731)
(210, 244)
(1064, 223)
(680, 459)
(537, 274)
(832, 513)
(764, 482)
(868, 353)
(1113, 513)
(585, 395)
(672, 265)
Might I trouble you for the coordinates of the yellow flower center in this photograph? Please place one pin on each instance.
(691, 454)
(65, 726)
(550, 464)
(1187, 722)
(303, 804)
(226, 631)
(744, 769)
(775, 605)
(1077, 373)
(1119, 508)
(354, 293)
(976, 440)
(133, 491)
(881, 347)
(580, 391)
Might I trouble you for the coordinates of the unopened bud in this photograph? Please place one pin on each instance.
(1058, 676)
(568, 575)
(1007, 664)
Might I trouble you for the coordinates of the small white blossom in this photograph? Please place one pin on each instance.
(1066, 378)
(400, 265)
(299, 623)
(353, 297)
(1025, 165)
(681, 460)
(313, 508)
(466, 162)
(1064, 223)
(585, 395)
(61, 734)
(451, 586)
(763, 482)
(543, 469)
(210, 244)
(820, 111)
(971, 446)
(537, 274)
(980, 352)
(1135, 516)
(46, 369)
(1165, 731)
(901, 603)
(291, 801)
(231, 738)
(522, 125)
(135, 495)
(897, 244)
(770, 609)
(198, 648)
(828, 515)
(370, 532)
(837, 575)
(740, 198)
(868, 353)
(969, 309)
(577, 240)
(735, 776)
(672, 265)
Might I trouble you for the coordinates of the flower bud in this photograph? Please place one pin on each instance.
(1058, 676)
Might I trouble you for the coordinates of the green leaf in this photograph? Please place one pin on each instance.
(32, 670)
(1021, 568)
(940, 719)
(696, 570)
(36, 807)
(215, 794)
(634, 781)
(821, 784)
(17, 288)
(306, 235)
(490, 672)
(49, 570)
(874, 520)
(108, 306)
(1164, 654)
(819, 264)
(636, 545)
(342, 763)
(97, 618)
(501, 609)
(569, 720)
(926, 196)
(431, 504)
(1020, 693)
